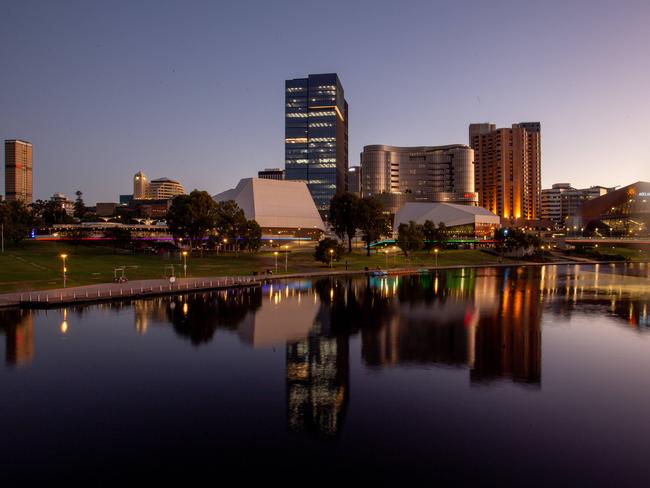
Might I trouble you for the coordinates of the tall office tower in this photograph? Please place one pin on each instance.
(507, 165)
(140, 186)
(354, 180)
(316, 136)
(18, 170)
(425, 174)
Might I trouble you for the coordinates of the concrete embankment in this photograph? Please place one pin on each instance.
(149, 288)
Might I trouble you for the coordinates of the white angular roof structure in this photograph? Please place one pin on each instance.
(275, 203)
(450, 213)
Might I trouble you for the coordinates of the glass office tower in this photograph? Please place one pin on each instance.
(316, 136)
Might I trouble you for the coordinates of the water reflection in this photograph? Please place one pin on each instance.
(18, 328)
(484, 321)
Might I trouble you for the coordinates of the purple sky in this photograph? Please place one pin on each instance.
(193, 90)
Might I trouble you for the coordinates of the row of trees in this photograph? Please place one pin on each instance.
(350, 214)
(413, 237)
(197, 216)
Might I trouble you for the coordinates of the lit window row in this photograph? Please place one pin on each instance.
(320, 124)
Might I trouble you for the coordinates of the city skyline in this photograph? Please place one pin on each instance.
(172, 93)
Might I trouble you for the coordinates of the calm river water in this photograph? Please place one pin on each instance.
(526, 375)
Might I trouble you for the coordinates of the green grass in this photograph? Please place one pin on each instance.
(604, 253)
(37, 265)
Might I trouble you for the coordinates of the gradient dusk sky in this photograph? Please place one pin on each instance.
(194, 90)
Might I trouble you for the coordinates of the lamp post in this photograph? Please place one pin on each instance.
(286, 257)
(386, 253)
(435, 251)
(276, 261)
(394, 255)
(184, 264)
(65, 270)
(331, 257)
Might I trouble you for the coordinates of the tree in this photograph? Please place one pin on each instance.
(48, 213)
(441, 234)
(230, 222)
(252, 236)
(79, 206)
(121, 236)
(192, 216)
(430, 234)
(328, 250)
(344, 216)
(373, 223)
(76, 234)
(16, 220)
(410, 237)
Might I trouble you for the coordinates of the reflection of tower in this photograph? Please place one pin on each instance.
(20, 341)
(317, 383)
(509, 341)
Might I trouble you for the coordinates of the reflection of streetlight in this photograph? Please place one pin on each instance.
(331, 256)
(64, 323)
(65, 270)
(185, 264)
(276, 261)
(435, 251)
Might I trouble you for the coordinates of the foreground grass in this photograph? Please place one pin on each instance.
(37, 265)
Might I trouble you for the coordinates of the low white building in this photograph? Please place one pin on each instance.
(282, 208)
(459, 220)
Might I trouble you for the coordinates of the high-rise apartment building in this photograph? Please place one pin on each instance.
(507, 164)
(424, 174)
(316, 136)
(18, 170)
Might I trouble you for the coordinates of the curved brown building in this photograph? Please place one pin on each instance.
(421, 173)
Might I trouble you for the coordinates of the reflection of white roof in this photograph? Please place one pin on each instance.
(275, 203)
(450, 213)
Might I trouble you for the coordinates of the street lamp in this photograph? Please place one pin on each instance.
(435, 251)
(331, 256)
(394, 255)
(276, 261)
(286, 254)
(184, 264)
(65, 270)
(386, 253)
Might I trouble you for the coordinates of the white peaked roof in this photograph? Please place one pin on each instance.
(449, 213)
(275, 203)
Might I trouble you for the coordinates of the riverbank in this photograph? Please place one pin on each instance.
(139, 289)
(37, 266)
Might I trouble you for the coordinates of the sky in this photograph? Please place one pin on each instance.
(194, 90)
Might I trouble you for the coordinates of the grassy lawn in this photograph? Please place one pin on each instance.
(629, 254)
(37, 265)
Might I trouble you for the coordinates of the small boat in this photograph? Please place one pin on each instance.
(378, 273)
